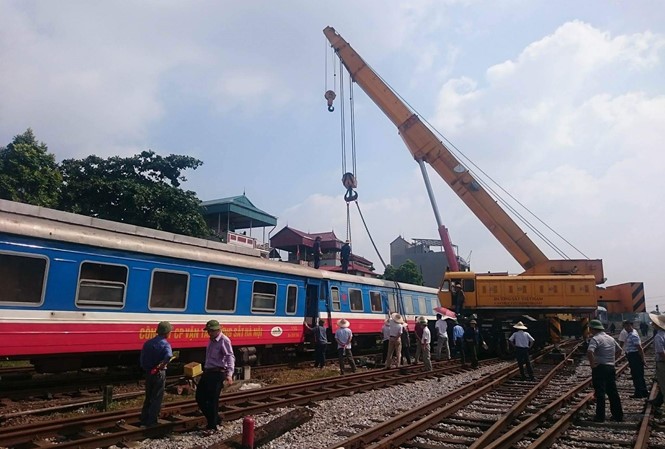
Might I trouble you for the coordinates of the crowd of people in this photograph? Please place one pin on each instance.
(453, 340)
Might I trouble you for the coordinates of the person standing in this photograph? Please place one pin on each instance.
(644, 328)
(458, 340)
(406, 343)
(424, 343)
(219, 366)
(155, 355)
(317, 252)
(394, 340)
(472, 339)
(343, 336)
(635, 356)
(458, 296)
(385, 334)
(320, 342)
(419, 336)
(345, 256)
(522, 342)
(441, 328)
(601, 353)
(658, 322)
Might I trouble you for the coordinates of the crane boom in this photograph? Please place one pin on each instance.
(424, 145)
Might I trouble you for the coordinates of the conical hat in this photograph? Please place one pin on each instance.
(520, 325)
(343, 323)
(397, 318)
(658, 320)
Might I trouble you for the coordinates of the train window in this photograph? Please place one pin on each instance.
(101, 284)
(221, 294)
(334, 293)
(168, 290)
(264, 297)
(356, 300)
(22, 278)
(408, 305)
(422, 305)
(291, 299)
(375, 301)
(392, 302)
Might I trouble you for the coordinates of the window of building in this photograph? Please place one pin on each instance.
(356, 300)
(168, 290)
(101, 284)
(23, 278)
(375, 302)
(222, 293)
(291, 299)
(334, 296)
(264, 297)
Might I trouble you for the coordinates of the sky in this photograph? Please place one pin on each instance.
(562, 104)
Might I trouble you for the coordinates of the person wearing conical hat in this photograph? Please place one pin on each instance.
(658, 322)
(343, 336)
(394, 340)
(602, 352)
(522, 341)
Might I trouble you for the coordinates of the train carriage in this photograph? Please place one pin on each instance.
(79, 291)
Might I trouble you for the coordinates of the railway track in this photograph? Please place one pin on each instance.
(104, 429)
(510, 413)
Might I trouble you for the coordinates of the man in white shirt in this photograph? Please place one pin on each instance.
(424, 343)
(522, 342)
(395, 340)
(441, 328)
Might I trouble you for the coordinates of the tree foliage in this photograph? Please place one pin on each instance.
(28, 173)
(141, 190)
(408, 272)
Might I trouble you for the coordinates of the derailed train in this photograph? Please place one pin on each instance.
(80, 292)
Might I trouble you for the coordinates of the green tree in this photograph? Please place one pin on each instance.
(143, 190)
(408, 272)
(28, 173)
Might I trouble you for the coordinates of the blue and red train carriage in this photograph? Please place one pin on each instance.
(77, 291)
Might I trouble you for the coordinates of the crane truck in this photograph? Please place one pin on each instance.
(546, 286)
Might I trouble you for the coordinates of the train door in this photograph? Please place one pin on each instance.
(312, 302)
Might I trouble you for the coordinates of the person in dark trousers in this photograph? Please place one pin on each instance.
(635, 356)
(219, 366)
(345, 256)
(458, 299)
(406, 343)
(644, 328)
(344, 336)
(522, 342)
(472, 339)
(458, 340)
(320, 342)
(155, 355)
(317, 252)
(658, 322)
(602, 352)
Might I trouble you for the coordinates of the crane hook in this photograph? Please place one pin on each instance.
(330, 96)
(349, 181)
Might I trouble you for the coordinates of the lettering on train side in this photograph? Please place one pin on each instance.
(178, 333)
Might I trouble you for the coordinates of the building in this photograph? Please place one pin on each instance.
(298, 245)
(228, 216)
(432, 264)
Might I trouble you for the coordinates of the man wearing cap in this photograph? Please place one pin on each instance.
(522, 342)
(601, 353)
(343, 336)
(219, 365)
(155, 355)
(635, 356)
(424, 342)
(473, 338)
(395, 340)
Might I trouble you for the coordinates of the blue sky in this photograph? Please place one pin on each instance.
(562, 103)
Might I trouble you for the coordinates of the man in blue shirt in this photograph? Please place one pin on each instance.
(155, 355)
(320, 342)
(635, 356)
